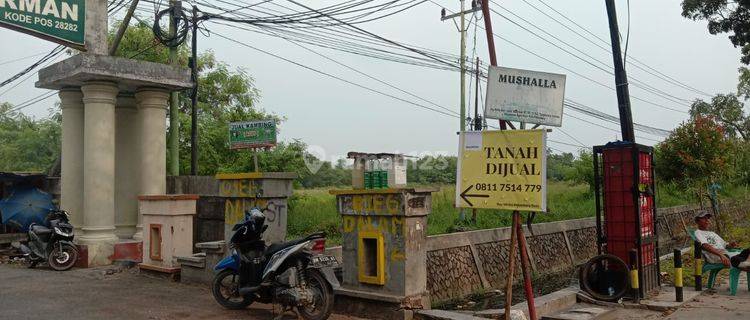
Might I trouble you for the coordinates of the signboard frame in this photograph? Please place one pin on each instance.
(235, 144)
(525, 96)
(75, 40)
(483, 192)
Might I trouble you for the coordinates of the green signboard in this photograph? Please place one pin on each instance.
(252, 134)
(61, 21)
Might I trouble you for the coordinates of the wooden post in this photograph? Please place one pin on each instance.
(511, 265)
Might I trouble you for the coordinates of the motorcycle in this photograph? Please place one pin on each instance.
(295, 274)
(52, 243)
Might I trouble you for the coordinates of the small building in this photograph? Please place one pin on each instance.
(378, 170)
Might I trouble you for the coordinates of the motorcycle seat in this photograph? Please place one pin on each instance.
(276, 247)
(40, 230)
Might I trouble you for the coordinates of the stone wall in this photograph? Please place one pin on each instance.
(459, 264)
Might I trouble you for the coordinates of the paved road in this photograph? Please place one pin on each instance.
(92, 294)
(710, 305)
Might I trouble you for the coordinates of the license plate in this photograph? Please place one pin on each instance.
(324, 261)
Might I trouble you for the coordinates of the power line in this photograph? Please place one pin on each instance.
(57, 50)
(635, 82)
(22, 58)
(575, 72)
(334, 76)
(639, 64)
(369, 76)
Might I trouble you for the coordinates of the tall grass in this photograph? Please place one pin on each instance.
(313, 210)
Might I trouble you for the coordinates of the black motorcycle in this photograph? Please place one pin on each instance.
(52, 242)
(295, 274)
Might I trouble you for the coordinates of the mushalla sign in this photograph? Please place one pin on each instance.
(61, 21)
(502, 170)
(525, 96)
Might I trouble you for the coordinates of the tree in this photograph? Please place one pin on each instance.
(582, 169)
(559, 166)
(727, 109)
(697, 153)
(27, 144)
(723, 16)
(225, 94)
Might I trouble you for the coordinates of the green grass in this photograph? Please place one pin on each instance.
(313, 210)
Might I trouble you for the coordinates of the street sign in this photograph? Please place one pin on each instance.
(525, 96)
(61, 21)
(502, 170)
(252, 134)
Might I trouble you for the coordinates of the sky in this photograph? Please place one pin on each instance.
(334, 117)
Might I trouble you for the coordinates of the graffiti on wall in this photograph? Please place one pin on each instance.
(234, 210)
(239, 188)
(371, 204)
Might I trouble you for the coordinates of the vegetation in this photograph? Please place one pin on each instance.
(27, 144)
(723, 17)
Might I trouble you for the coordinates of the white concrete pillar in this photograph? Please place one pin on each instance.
(71, 175)
(99, 100)
(152, 127)
(126, 167)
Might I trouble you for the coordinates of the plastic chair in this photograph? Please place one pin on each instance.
(714, 268)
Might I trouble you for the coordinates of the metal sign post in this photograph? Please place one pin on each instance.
(60, 21)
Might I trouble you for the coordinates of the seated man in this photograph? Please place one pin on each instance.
(715, 248)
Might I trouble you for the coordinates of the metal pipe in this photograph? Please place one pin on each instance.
(527, 286)
(511, 265)
(194, 96)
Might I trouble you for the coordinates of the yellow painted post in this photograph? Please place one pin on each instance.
(678, 275)
(634, 283)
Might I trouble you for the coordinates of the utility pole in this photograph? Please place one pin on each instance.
(174, 100)
(194, 95)
(621, 78)
(462, 31)
(477, 118)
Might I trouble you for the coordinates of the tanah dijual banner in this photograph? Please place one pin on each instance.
(502, 170)
(61, 21)
(525, 96)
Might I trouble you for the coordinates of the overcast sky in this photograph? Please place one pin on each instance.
(339, 117)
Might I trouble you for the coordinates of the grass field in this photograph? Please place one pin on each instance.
(313, 210)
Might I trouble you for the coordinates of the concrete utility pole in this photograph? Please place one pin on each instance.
(174, 100)
(462, 31)
(621, 78)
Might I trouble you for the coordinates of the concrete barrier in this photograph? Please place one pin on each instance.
(459, 264)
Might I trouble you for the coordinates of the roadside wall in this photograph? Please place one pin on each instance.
(459, 264)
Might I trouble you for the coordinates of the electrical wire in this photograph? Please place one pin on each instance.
(604, 45)
(57, 50)
(334, 76)
(578, 73)
(22, 58)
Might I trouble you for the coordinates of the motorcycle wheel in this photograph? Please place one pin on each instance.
(323, 297)
(225, 289)
(63, 257)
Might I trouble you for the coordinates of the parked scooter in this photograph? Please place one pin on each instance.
(52, 243)
(295, 274)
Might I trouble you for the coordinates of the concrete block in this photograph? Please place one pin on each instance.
(127, 73)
